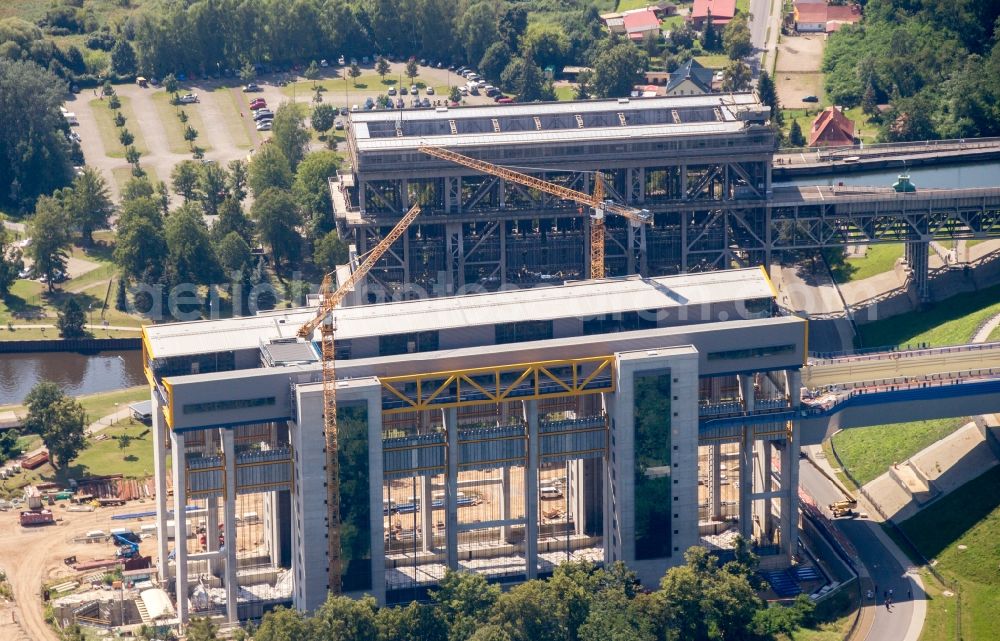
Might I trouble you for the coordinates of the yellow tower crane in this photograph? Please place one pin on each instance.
(327, 325)
(595, 201)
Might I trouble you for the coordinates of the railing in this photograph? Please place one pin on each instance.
(832, 153)
(907, 353)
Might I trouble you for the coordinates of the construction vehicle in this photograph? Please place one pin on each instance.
(36, 517)
(127, 547)
(843, 508)
(596, 201)
(325, 322)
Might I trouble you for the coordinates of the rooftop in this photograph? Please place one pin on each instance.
(542, 122)
(584, 299)
(720, 9)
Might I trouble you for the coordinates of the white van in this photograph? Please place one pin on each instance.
(549, 492)
(71, 118)
(96, 534)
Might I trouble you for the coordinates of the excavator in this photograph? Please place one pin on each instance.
(326, 323)
(596, 201)
(843, 508)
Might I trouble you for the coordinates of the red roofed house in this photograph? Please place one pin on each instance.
(722, 12)
(831, 128)
(640, 22)
(818, 17)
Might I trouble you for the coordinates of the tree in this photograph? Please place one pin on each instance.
(135, 188)
(59, 420)
(476, 28)
(736, 76)
(125, 137)
(869, 102)
(312, 72)
(466, 601)
(202, 629)
(190, 134)
(236, 179)
(140, 249)
(512, 25)
(232, 219)
(170, 83)
(382, 67)
(34, 152)
(123, 58)
(49, 233)
(248, 73)
(354, 72)
(330, 251)
(346, 619)
(89, 205)
(269, 170)
(769, 96)
(795, 137)
(190, 255)
(123, 443)
(546, 44)
(709, 38)
(289, 133)
(323, 117)
(11, 262)
(211, 187)
(276, 217)
(283, 624)
(71, 321)
(411, 69)
(185, 179)
(613, 617)
(121, 297)
(495, 60)
(415, 622)
(311, 189)
(234, 253)
(455, 94)
(617, 70)
(736, 38)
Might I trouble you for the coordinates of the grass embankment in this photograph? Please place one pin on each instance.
(948, 322)
(867, 452)
(235, 107)
(962, 532)
(878, 259)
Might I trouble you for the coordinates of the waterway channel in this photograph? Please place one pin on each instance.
(77, 374)
(961, 176)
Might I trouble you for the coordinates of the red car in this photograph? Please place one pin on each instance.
(258, 103)
(505, 101)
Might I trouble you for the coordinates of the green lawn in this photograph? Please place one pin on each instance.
(626, 5)
(863, 126)
(995, 334)
(948, 322)
(174, 128)
(713, 60)
(109, 132)
(833, 617)
(877, 260)
(869, 451)
(237, 122)
(968, 517)
(565, 93)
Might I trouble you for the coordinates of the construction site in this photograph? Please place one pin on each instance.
(556, 339)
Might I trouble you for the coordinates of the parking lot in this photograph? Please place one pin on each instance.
(222, 116)
(798, 70)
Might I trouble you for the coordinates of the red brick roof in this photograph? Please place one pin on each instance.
(722, 9)
(831, 127)
(844, 13)
(641, 21)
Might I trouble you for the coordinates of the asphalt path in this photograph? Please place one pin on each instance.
(883, 568)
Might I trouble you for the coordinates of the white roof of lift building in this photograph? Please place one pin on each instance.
(581, 299)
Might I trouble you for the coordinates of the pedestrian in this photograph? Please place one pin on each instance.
(887, 605)
(909, 595)
(890, 593)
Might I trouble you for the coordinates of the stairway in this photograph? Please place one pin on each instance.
(143, 613)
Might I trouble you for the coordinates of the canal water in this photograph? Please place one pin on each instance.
(968, 176)
(76, 373)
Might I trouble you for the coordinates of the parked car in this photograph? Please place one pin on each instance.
(263, 114)
(340, 61)
(258, 103)
(505, 101)
(426, 103)
(338, 124)
(343, 111)
(403, 91)
(264, 125)
(399, 103)
(188, 99)
(464, 91)
(810, 99)
(392, 91)
(430, 91)
(252, 87)
(414, 89)
(324, 63)
(493, 92)
(369, 103)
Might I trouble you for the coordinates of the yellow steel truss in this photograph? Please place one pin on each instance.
(491, 385)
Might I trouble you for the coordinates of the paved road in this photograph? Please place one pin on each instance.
(916, 365)
(765, 14)
(883, 568)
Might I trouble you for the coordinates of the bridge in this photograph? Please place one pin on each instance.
(818, 161)
(877, 388)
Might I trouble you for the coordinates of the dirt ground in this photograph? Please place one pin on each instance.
(32, 556)
(797, 73)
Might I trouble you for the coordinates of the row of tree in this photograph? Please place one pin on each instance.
(935, 63)
(698, 601)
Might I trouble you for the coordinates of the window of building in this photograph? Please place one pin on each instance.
(222, 406)
(623, 322)
(652, 465)
(523, 332)
(408, 343)
(751, 352)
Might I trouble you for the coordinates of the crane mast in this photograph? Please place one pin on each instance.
(595, 201)
(327, 326)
